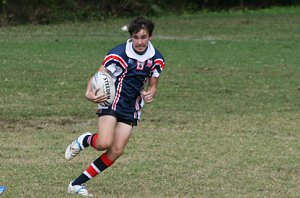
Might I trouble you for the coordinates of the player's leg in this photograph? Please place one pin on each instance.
(121, 137)
(106, 129)
(100, 141)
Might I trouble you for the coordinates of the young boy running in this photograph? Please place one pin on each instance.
(132, 65)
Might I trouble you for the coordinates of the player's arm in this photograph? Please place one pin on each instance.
(92, 95)
(103, 69)
(151, 91)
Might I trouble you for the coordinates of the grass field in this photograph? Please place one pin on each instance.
(225, 122)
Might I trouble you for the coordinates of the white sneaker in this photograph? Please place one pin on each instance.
(75, 147)
(79, 190)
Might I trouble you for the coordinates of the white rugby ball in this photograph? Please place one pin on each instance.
(102, 83)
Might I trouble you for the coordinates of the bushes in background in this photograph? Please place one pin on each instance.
(53, 11)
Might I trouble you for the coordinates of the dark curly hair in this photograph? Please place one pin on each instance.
(141, 23)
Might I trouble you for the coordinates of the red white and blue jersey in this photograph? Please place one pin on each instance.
(130, 73)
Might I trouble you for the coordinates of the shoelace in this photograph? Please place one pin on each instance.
(75, 151)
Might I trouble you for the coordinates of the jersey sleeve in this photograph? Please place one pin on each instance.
(114, 61)
(158, 66)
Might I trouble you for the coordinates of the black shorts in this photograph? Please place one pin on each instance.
(102, 112)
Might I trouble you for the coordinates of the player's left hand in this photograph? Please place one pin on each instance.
(148, 96)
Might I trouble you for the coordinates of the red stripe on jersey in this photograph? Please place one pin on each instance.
(118, 92)
(116, 58)
(119, 86)
(104, 158)
(159, 62)
(91, 171)
(137, 104)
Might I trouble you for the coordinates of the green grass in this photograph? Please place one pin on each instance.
(225, 122)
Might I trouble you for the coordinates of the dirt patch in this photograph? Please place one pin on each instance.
(20, 125)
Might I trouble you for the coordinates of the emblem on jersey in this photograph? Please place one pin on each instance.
(149, 63)
(140, 65)
(130, 61)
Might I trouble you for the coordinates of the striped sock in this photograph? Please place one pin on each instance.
(98, 166)
(91, 140)
(85, 141)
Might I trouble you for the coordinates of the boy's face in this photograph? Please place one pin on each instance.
(140, 40)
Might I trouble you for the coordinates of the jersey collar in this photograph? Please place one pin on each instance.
(132, 54)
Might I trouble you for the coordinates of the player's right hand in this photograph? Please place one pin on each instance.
(95, 96)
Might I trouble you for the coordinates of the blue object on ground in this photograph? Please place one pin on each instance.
(2, 189)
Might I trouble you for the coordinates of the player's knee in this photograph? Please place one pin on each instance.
(117, 151)
(102, 145)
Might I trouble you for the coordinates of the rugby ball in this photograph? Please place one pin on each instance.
(102, 83)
